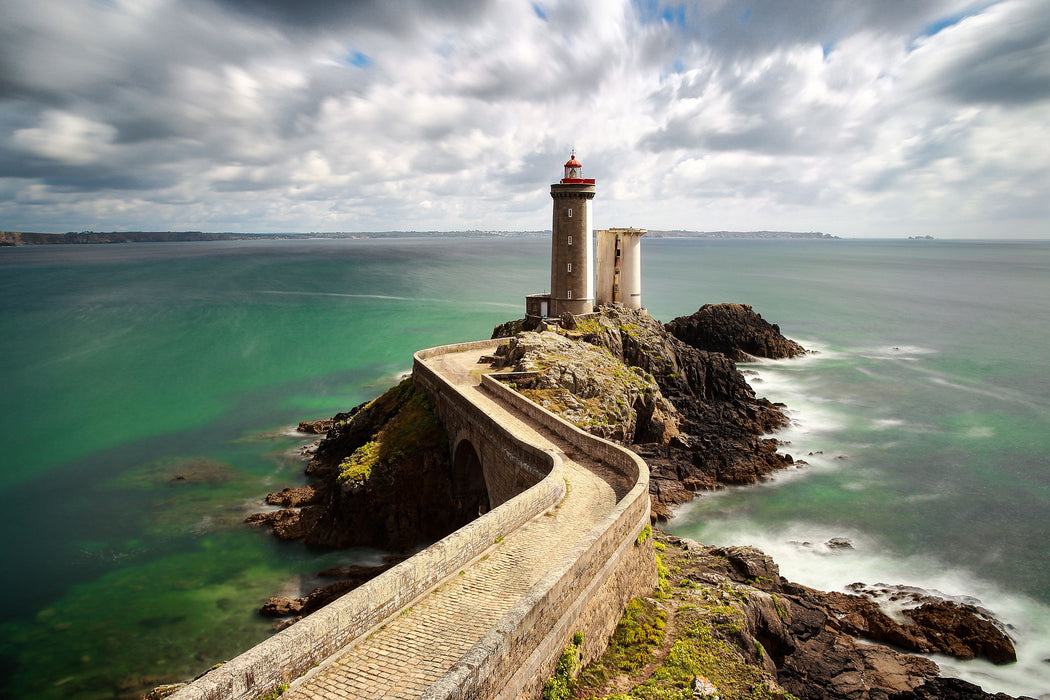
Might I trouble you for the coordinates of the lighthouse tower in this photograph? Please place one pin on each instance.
(572, 256)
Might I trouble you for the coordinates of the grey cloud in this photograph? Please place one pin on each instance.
(1012, 66)
(734, 29)
(394, 16)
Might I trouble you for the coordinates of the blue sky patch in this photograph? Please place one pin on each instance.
(653, 11)
(539, 11)
(357, 59)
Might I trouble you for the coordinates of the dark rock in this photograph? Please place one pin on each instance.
(352, 577)
(963, 631)
(406, 498)
(839, 543)
(734, 330)
(718, 426)
(941, 688)
(808, 637)
(297, 498)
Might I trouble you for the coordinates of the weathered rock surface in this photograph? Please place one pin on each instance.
(809, 638)
(713, 436)
(403, 500)
(736, 331)
(590, 387)
(298, 607)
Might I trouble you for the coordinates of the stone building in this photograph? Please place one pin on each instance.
(572, 287)
(620, 267)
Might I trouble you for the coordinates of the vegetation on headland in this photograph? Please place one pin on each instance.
(674, 644)
(412, 430)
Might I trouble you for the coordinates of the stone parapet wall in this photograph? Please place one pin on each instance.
(510, 465)
(585, 591)
(297, 649)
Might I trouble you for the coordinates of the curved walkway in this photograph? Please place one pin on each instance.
(413, 650)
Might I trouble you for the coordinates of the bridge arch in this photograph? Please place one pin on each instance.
(469, 489)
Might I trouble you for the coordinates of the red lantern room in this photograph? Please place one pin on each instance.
(574, 171)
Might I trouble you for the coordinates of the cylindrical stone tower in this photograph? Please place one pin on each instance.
(620, 267)
(572, 256)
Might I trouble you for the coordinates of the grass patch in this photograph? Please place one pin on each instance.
(562, 685)
(413, 430)
(638, 634)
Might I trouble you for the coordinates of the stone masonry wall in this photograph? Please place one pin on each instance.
(585, 591)
(510, 466)
(292, 652)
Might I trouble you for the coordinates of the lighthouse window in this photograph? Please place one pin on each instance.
(570, 213)
(570, 240)
(568, 294)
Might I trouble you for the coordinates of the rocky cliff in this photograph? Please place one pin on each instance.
(382, 473)
(734, 330)
(698, 425)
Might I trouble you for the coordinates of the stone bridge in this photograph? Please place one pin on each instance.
(486, 611)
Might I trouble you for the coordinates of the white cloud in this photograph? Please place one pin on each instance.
(67, 138)
(850, 118)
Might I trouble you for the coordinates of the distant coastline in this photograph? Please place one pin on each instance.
(19, 238)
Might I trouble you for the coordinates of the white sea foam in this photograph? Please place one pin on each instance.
(908, 353)
(389, 297)
(887, 423)
(800, 550)
(997, 393)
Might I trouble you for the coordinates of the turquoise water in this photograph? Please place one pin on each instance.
(125, 366)
(128, 365)
(926, 412)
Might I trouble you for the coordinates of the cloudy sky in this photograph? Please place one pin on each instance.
(853, 118)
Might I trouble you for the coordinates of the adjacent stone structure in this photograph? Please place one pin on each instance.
(620, 267)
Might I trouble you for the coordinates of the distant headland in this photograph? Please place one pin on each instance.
(18, 238)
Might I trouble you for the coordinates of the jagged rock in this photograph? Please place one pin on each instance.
(951, 689)
(734, 330)
(963, 631)
(406, 498)
(806, 638)
(590, 387)
(713, 437)
(296, 498)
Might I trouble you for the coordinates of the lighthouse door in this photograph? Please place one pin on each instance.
(543, 309)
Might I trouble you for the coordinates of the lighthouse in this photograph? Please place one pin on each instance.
(572, 249)
(572, 288)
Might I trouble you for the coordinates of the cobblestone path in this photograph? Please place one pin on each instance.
(409, 653)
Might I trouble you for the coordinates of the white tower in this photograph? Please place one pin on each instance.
(620, 267)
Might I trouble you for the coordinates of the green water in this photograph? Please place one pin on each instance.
(127, 366)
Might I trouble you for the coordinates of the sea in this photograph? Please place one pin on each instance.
(149, 394)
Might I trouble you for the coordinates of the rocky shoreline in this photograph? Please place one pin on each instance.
(725, 623)
(673, 394)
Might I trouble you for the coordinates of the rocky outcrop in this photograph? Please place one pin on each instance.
(292, 609)
(736, 331)
(712, 437)
(815, 644)
(383, 480)
(591, 388)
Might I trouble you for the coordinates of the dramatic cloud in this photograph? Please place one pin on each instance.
(264, 115)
